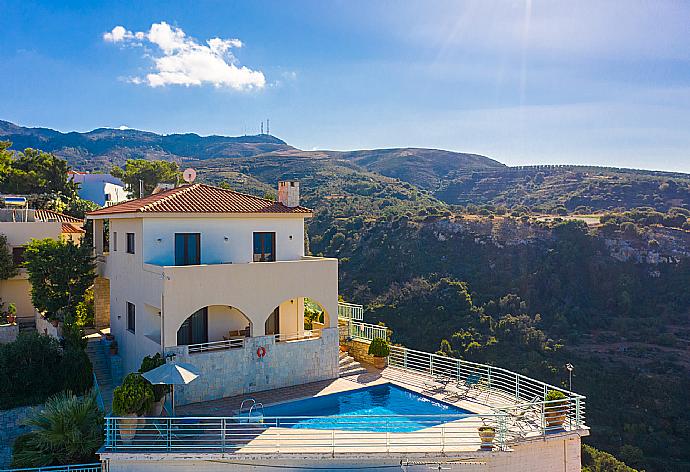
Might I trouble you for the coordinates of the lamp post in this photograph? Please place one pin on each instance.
(570, 368)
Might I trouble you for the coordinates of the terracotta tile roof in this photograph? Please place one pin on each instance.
(47, 215)
(199, 198)
(70, 228)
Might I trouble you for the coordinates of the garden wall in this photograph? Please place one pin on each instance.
(8, 333)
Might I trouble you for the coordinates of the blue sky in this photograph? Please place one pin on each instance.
(592, 82)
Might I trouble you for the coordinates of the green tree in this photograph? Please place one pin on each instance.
(151, 173)
(60, 272)
(34, 172)
(7, 267)
(68, 430)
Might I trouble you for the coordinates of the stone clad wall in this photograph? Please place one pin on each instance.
(359, 350)
(8, 333)
(101, 301)
(11, 427)
(233, 372)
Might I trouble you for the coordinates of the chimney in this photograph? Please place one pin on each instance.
(288, 193)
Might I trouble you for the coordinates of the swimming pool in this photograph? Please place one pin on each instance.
(365, 409)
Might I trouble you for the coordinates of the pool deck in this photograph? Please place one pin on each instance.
(454, 438)
(478, 402)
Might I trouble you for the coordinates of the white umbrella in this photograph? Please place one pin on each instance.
(172, 373)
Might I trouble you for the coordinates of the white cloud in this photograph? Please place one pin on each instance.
(181, 60)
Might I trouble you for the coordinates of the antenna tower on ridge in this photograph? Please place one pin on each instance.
(262, 127)
(268, 126)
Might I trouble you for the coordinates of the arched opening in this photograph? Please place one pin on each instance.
(297, 318)
(214, 323)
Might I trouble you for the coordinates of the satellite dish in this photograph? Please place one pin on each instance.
(189, 175)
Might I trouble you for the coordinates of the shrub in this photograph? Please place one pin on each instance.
(28, 368)
(379, 348)
(134, 396)
(552, 395)
(68, 430)
(149, 363)
(35, 367)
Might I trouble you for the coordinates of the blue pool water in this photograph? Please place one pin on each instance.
(353, 410)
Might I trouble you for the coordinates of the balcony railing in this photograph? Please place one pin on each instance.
(216, 346)
(60, 468)
(364, 331)
(374, 433)
(239, 343)
(523, 392)
(350, 311)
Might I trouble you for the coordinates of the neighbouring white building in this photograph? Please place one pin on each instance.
(103, 189)
(220, 280)
(20, 226)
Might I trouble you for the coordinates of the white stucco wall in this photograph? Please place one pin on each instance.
(557, 454)
(215, 249)
(131, 282)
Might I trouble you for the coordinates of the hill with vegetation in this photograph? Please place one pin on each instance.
(524, 268)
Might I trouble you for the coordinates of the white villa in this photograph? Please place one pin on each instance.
(220, 280)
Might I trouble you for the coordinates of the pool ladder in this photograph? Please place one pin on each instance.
(254, 404)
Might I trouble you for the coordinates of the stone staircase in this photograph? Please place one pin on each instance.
(348, 366)
(26, 324)
(101, 367)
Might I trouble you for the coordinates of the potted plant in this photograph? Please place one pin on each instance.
(380, 349)
(159, 391)
(487, 435)
(555, 408)
(113, 348)
(130, 400)
(11, 313)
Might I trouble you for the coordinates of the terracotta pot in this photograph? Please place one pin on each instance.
(555, 414)
(379, 362)
(128, 428)
(54, 323)
(343, 348)
(113, 349)
(11, 319)
(487, 436)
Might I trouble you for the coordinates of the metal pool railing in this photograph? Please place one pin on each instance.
(96, 467)
(350, 311)
(521, 394)
(432, 433)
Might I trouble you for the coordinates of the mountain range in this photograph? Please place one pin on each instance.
(454, 178)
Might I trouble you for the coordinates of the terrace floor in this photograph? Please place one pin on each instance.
(455, 437)
(476, 402)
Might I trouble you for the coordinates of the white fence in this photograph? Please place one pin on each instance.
(365, 331)
(520, 392)
(350, 311)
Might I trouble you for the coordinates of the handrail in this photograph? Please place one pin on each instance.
(97, 390)
(306, 334)
(95, 467)
(216, 345)
(517, 390)
(376, 433)
(365, 331)
(350, 311)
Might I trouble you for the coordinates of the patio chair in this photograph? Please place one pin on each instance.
(523, 419)
(437, 385)
(471, 383)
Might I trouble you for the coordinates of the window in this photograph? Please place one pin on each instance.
(187, 248)
(131, 317)
(194, 330)
(264, 247)
(18, 255)
(130, 243)
(114, 240)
